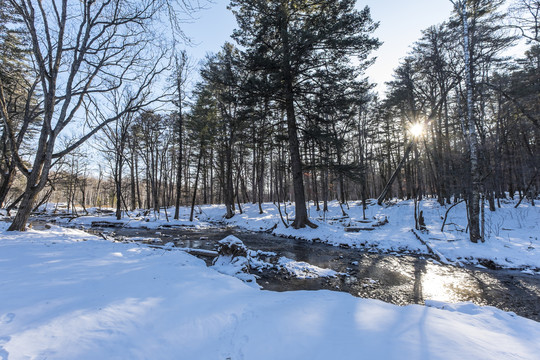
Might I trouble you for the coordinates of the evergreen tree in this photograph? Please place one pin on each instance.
(223, 78)
(202, 130)
(180, 75)
(289, 40)
(15, 89)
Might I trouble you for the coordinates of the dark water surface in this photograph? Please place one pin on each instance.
(400, 280)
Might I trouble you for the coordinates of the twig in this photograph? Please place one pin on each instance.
(526, 190)
(446, 214)
(281, 215)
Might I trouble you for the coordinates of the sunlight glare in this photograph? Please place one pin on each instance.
(435, 287)
(416, 129)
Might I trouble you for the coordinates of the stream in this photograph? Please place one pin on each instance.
(398, 279)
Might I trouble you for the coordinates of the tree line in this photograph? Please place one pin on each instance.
(287, 114)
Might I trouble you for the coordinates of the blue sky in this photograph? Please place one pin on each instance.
(401, 23)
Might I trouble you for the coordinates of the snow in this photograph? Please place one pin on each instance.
(232, 240)
(239, 265)
(234, 260)
(65, 294)
(512, 235)
(235, 266)
(303, 270)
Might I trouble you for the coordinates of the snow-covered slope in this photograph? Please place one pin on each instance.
(65, 298)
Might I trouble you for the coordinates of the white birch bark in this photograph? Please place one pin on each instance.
(469, 127)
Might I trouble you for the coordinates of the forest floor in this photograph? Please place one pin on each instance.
(67, 294)
(512, 234)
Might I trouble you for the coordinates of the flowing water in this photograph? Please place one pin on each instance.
(399, 279)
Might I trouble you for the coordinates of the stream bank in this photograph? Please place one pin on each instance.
(399, 279)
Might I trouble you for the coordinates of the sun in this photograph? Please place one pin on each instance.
(416, 129)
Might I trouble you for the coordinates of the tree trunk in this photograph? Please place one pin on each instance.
(118, 180)
(23, 213)
(260, 182)
(7, 180)
(394, 175)
(474, 196)
(36, 182)
(301, 217)
(314, 178)
(179, 167)
(229, 187)
(193, 199)
(138, 187)
(132, 182)
(36, 179)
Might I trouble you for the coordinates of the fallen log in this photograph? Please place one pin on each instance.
(106, 224)
(440, 257)
(358, 229)
(199, 252)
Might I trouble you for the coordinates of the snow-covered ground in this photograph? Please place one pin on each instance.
(512, 235)
(65, 294)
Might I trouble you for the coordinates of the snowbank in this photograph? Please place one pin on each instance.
(512, 235)
(65, 294)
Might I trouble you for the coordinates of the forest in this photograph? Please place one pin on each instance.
(282, 113)
(271, 199)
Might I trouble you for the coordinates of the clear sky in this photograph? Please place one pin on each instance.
(401, 22)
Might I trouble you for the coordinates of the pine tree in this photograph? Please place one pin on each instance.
(15, 89)
(223, 77)
(182, 68)
(202, 129)
(288, 40)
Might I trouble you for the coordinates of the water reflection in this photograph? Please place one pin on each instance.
(439, 287)
(399, 280)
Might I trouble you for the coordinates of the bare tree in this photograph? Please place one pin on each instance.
(115, 143)
(526, 18)
(470, 127)
(81, 51)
